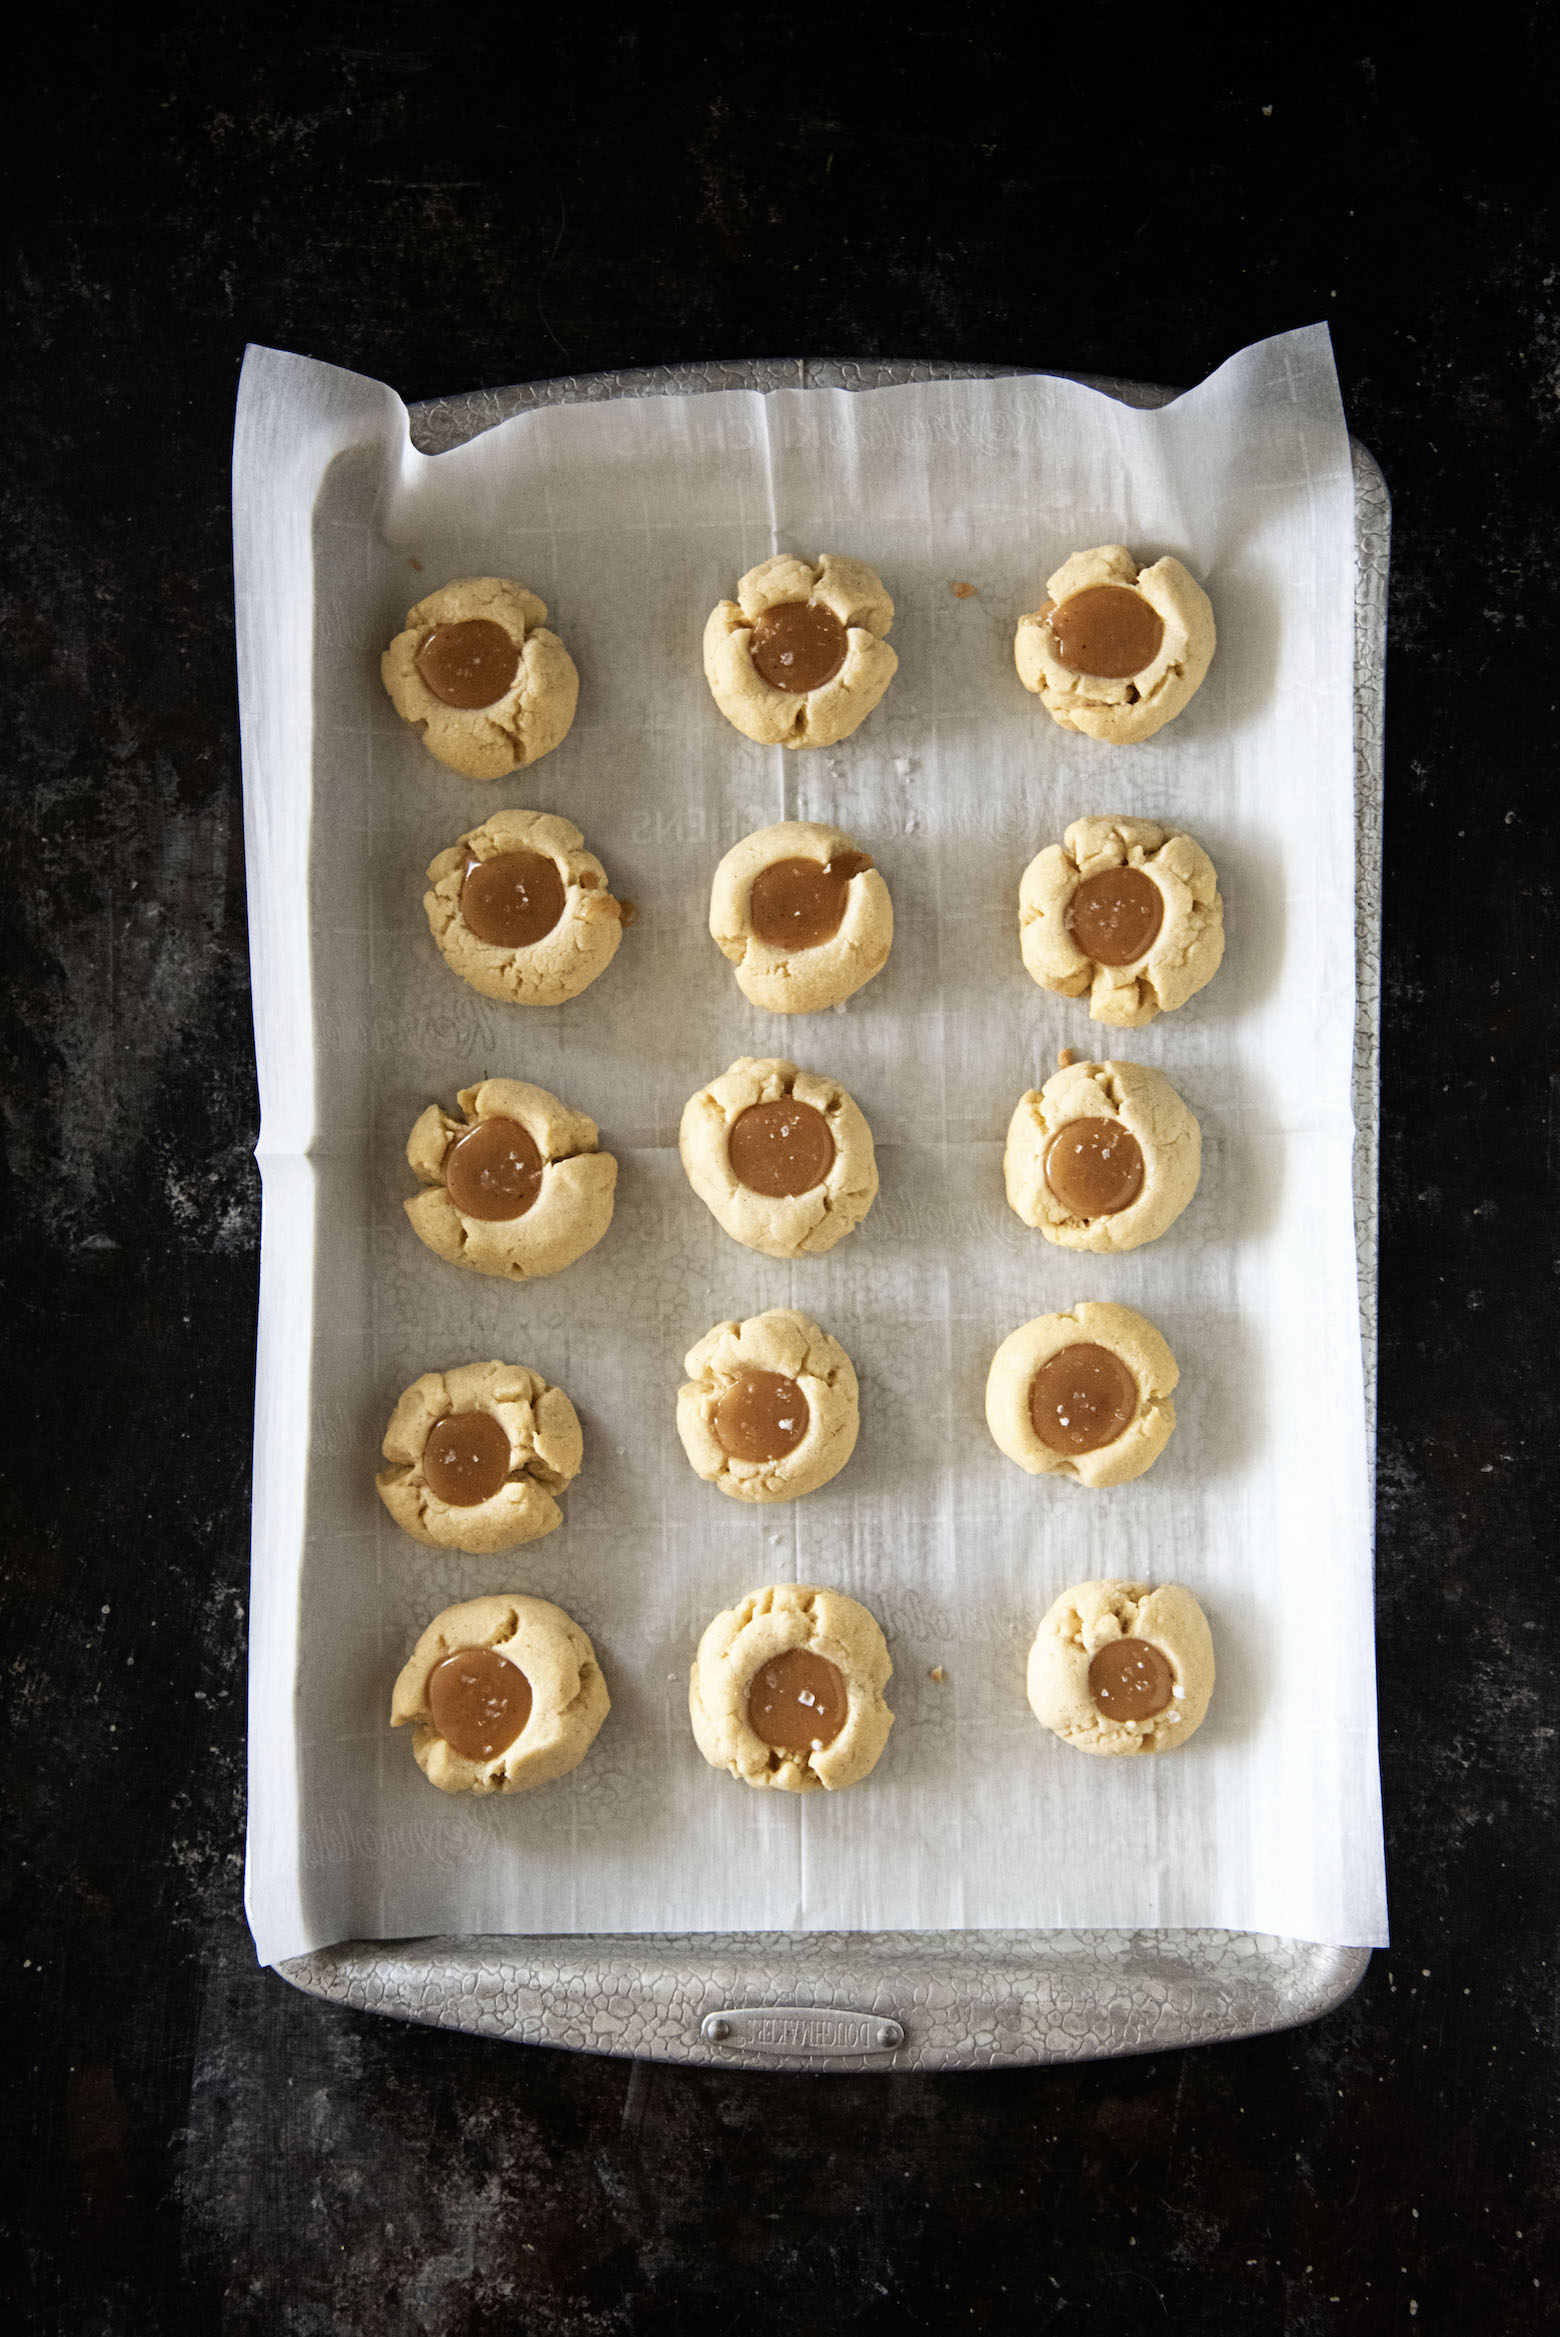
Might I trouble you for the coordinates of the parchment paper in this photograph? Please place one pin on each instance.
(632, 518)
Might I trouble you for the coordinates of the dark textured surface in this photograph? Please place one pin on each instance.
(445, 199)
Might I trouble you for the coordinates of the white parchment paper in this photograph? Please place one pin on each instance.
(632, 518)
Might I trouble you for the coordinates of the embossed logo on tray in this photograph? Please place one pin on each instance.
(801, 2028)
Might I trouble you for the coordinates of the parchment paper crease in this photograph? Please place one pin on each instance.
(631, 518)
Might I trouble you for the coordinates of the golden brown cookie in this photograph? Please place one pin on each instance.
(1125, 909)
(476, 1456)
(476, 671)
(1116, 650)
(1118, 1667)
(501, 1694)
(781, 1158)
(522, 911)
(768, 1411)
(798, 659)
(1105, 1156)
(1085, 1394)
(787, 1690)
(515, 1187)
(803, 916)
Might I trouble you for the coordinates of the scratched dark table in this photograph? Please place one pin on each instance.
(452, 198)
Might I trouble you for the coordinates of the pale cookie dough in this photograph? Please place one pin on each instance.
(569, 1699)
(791, 1346)
(572, 1209)
(1134, 708)
(770, 1623)
(1184, 954)
(545, 1451)
(1094, 1615)
(1094, 1323)
(812, 718)
(786, 980)
(792, 1225)
(534, 713)
(565, 961)
(1129, 1096)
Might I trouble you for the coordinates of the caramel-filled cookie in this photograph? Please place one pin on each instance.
(803, 916)
(769, 1409)
(799, 658)
(516, 1187)
(522, 911)
(476, 671)
(1126, 910)
(477, 1456)
(1116, 650)
(501, 1694)
(1085, 1394)
(781, 1158)
(1104, 1157)
(787, 1690)
(1117, 1667)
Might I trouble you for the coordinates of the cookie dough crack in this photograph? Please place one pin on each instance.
(586, 1693)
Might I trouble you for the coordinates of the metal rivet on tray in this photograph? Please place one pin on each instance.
(890, 2033)
(716, 2029)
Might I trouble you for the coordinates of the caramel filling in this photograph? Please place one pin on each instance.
(466, 1458)
(1115, 917)
(1082, 1399)
(1130, 1680)
(470, 664)
(796, 904)
(493, 1171)
(480, 1702)
(798, 646)
(1094, 1167)
(798, 1702)
(512, 900)
(761, 1417)
(780, 1149)
(1107, 630)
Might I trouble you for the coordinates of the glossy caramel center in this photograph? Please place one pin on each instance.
(1115, 917)
(1094, 1167)
(798, 646)
(780, 1149)
(480, 1702)
(512, 900)
(1107, 630)
(797, 904)
(1082, 1399)
(1129, 1679)
(494, 1171)
(469, 664)
(761, 1417)
(466, 1458)
(798, 1702)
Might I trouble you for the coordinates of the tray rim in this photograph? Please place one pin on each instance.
(1081, 1995)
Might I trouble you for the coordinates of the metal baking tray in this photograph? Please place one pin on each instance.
(907, 1999)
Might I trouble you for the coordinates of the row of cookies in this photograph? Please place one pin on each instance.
(800, 658)
(1124, 909)
(505, 1693)
(1104, 1157)
(477, 1455)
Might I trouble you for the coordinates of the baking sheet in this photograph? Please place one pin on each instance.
(632, 520)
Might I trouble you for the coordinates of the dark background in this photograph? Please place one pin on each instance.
(448, 197)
